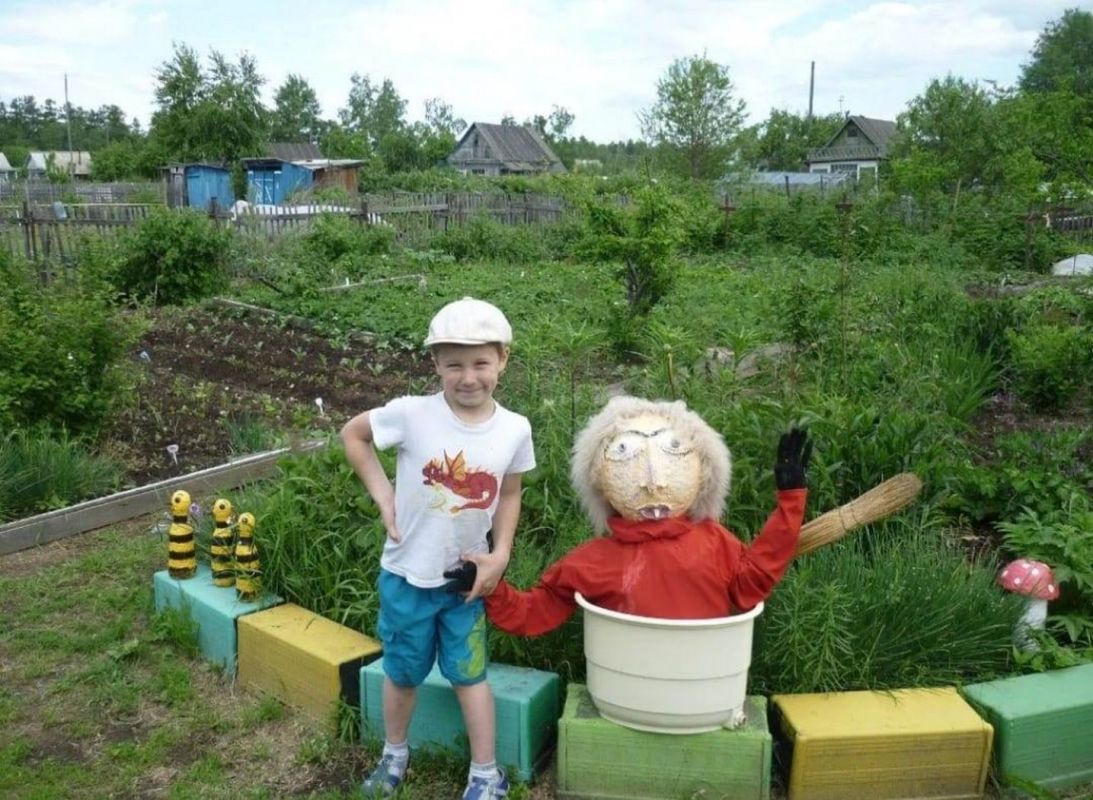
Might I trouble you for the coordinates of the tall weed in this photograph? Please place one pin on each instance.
(39, 472)
(895, 606)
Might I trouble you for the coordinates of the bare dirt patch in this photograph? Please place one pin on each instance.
(204, 378)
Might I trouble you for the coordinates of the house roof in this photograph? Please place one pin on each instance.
(79, 161)
(518, 147)
(878, 132)
(4, 165)
(293, 151)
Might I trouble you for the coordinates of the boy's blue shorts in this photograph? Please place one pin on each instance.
(418, 626)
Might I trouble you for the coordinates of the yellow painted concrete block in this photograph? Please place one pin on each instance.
(908, 743)
(302, 658)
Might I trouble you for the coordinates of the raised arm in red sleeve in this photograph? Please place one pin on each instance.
(764, 561)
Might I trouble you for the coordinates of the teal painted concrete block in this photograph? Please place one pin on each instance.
(528, 704)
(1043, 725)
(214, 608)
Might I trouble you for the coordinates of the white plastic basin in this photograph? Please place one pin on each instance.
(668, 675)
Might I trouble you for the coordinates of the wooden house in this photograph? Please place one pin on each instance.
(858, 148)
(487, 149)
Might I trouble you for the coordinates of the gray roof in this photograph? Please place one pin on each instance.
(4, 165)
(293, 151)
(518, 147)
(79, 161)
(878, 132)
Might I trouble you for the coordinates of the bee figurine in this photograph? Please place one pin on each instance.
(221, 549)
(248, 573)
(181, 550)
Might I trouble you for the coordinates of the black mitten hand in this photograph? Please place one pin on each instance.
(794, 451)
(461, 579)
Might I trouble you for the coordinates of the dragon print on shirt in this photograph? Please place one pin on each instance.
(473, 488)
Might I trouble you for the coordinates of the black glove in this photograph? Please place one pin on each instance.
(794, 451)
(461, 579)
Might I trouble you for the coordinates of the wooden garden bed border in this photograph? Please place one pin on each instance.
(103, 511)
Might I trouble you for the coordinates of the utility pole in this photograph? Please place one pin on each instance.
(68, 124)
(811, 89)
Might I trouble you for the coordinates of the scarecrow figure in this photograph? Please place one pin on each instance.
(652, 478)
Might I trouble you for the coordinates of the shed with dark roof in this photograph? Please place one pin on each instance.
(859, 145)
(487, 149)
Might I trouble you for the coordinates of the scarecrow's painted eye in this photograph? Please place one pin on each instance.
(672, 443)
(624, 447)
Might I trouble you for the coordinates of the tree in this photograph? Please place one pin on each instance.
(374, 111)
(297, 115)
(553, 126)
(214, 115)
(946, 137)
(696, 115)
(440, 118)
(782, 142)
(1063, 56)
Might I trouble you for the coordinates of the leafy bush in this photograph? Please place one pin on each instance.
(62, 345)
(1049, 363)
(173, 257)
(1040, 471)
(1063, 539)
(40, 473)
(332, 236)
(482, 238)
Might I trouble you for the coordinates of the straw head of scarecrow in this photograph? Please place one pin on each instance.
(649, 460)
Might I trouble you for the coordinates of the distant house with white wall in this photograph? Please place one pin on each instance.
(858, 148)
(76, 163)
(7, 171)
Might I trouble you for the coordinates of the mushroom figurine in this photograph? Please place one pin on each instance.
(1034, 581)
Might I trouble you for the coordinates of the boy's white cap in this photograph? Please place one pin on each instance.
(469, 321)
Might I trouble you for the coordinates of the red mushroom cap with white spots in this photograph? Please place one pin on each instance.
(1030, 578)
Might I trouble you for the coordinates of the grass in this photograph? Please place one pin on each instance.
(40, 473)
(100, 697)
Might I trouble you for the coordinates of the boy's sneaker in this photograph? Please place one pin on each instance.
(482, 789)
(385, 778)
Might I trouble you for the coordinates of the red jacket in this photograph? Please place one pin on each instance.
(672, 569)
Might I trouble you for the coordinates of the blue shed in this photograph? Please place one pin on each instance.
(271, 180)
(206, 182)
(196, 184)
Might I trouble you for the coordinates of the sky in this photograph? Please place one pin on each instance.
(492, 58)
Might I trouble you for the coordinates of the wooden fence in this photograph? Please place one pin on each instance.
(52, 234)
(24, 191)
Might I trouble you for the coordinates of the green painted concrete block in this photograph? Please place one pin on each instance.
(527, 703)
(214, 608)
(599, 760)
(1043, 725)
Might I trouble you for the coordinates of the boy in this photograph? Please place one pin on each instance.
(458, 474)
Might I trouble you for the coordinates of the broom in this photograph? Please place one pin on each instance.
(880, 501)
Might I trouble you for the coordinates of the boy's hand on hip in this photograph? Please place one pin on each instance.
(388, 515)
(491, 567)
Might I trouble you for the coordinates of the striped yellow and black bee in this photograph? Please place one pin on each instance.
(248, 573)
(181, 549)
(220, 551)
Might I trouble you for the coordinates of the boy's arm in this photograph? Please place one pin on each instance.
(360, 452)
(491, 566)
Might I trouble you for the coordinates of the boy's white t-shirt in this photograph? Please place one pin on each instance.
(447, 481)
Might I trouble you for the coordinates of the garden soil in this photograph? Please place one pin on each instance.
(220, 384)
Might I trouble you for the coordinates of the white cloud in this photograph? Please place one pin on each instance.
(495, 57)
(92, 24)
